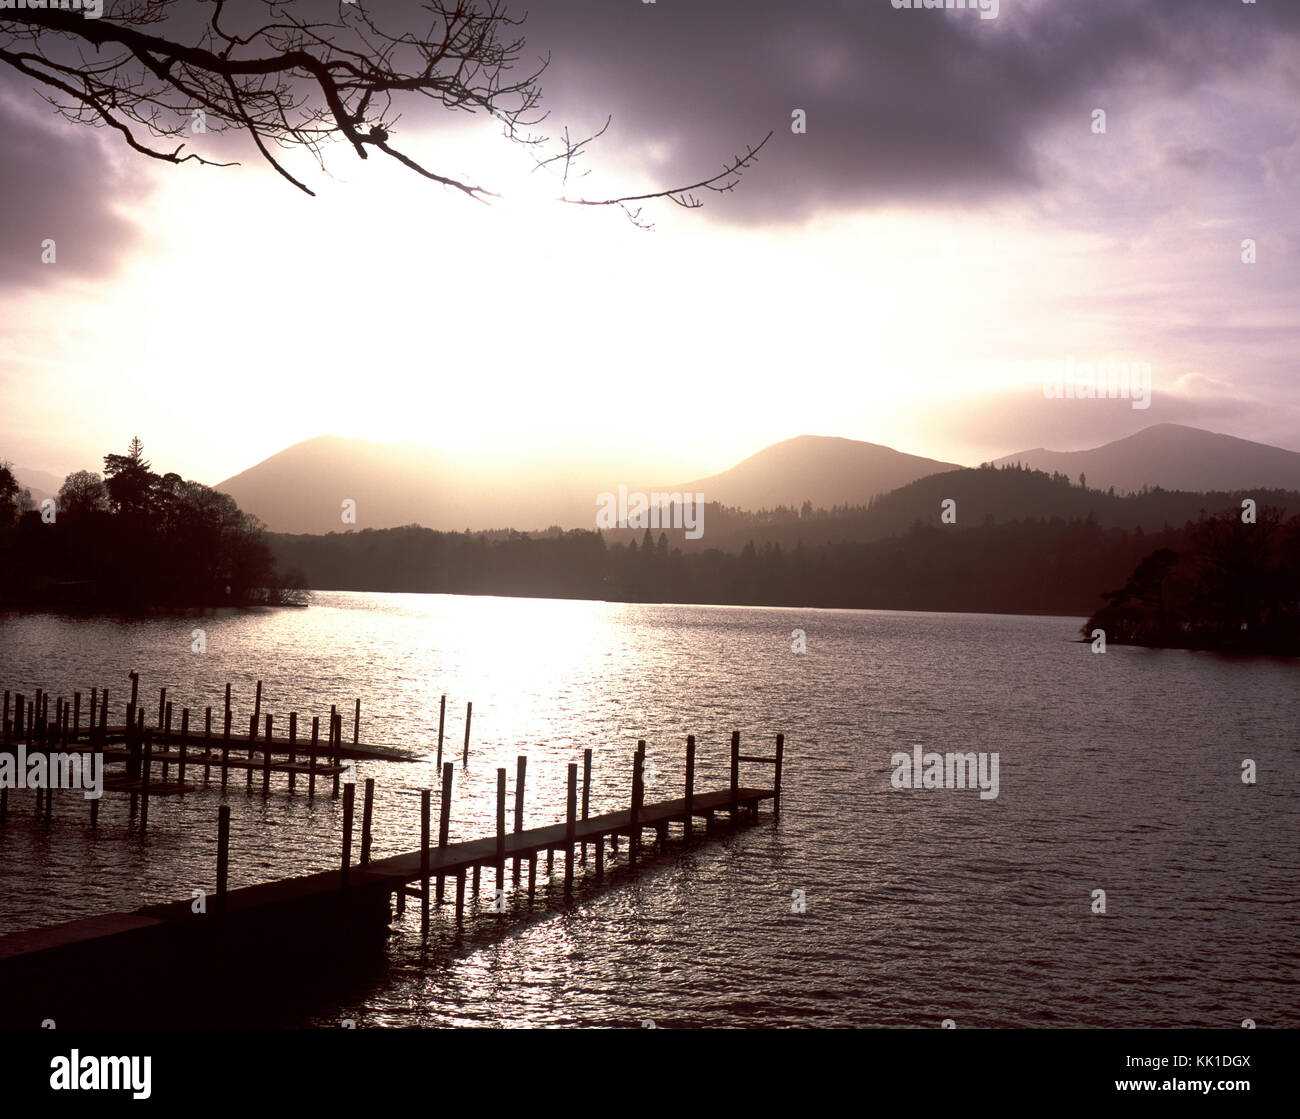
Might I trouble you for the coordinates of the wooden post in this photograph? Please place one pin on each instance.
(600, 856)
(146, 764)
(356, 723)
(227, 703)
(76, 715)
(444, 816)
(442, 719)
(223, 855)
(185, 739)
(469, 715)
(690, 784)
(135, 687)
(349, 797)
(424, 862)
(335, 734)
(225, 743)
(94, 708)
(776, 780)
(266, 759)
(367, 813)
(207, 744)
(162, 706)
(570, 826)
(252, 738)
(460, 896)
(634, 831)
(586, 796)
(293, 755)
(257, 702)
(532, 877)
(501, 828)
(311, 761)
(735, 775)
(521, 769)
(166, 726)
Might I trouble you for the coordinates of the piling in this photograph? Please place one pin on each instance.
(367, 813)
(690, 784)
(521, 769)
(776, 780)
(349, 795)
(266, 759)
(185, 739)
(469, 715)
(424, 863)
(444, 815)
(442, 719)
(570, 826)
(735, 775)
(311, 762)
(501, 829)
(223, 855)
(586, 796)
(293, 754)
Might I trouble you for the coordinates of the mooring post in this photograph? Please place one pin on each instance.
(735, 775)
(225, 743)
(570, 826)
(444, 816)
(442, 719)
(521, 769)
(367, 814)
(162, 706)
(776, 781)
(469, 715)
(600, 855)
(135, 687)
(356, 724)
(690, 784)
(586, 796)
(223, 855)
(76, 715)
(166, 727)
(227, 703)
(425, 795)
(311, 760)
(501, 828)
(257, 702)
(532, 877)
(185, 739)
(460, 897)
(293, 749)
(266, 759)
(349, 797)
(252, 739)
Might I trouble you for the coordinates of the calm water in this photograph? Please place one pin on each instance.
(1118, 772)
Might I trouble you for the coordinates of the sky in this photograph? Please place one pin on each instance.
(906, 271)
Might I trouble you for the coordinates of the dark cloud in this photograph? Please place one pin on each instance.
(59, 183)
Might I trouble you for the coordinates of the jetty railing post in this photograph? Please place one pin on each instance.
(424, 862)
(185, 738)
(776, 781)
(252, 739)
(367, 813)
(336, 733)
(586, 796)
(735, 774)
(501, 828)
(442, 720)
(349, 797)
(570, 826)
(690, 785)
(207, 744)
(469, 716)
(311, 761)
(266, 759)
(521, 771)
(223, 855)
(293, 749)
(444, 816)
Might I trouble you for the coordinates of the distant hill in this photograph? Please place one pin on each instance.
(825, 470)
(1174, 457)
(40, 483)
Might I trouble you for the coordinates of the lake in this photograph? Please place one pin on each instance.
(1119, 772)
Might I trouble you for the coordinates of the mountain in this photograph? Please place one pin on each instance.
(1174, 457)
(825, 470)
(302, 488)
(40, 483)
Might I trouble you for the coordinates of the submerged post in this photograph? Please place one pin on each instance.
(367, 811)
(570, 826)
(690, 784)
(444, 817)
(223, 854)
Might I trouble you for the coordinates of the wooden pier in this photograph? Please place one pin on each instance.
(323, 912)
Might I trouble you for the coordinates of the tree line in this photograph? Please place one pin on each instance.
(133, 538)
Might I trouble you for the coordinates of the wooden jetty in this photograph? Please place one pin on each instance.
(323, 912)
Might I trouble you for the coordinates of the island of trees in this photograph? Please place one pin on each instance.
(134, 539)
